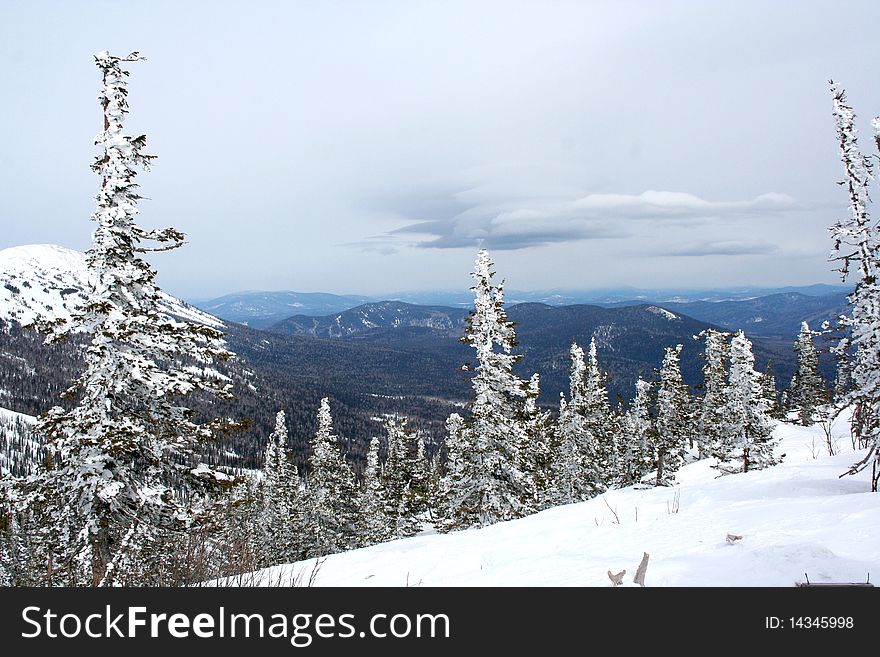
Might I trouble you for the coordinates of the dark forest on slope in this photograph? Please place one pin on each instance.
(411, 365)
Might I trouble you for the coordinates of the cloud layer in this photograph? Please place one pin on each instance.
(500, 224)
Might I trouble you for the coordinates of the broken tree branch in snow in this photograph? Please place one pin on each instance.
(614, 511)
(733, 538)
(639, 577)
(616, 579)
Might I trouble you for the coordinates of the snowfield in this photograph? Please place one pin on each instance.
(796, 518)
(46, 281)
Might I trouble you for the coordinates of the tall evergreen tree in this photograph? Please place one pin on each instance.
(749, 443)
(807, 386)
(437, 477)
(241, 535)
(127, 478)
(770, 392)
(537, 453)
(842, 378)
(637, 429)
(674, 422)
(372, 525)
(602, 423)
(420, 474)
(710, 422)
(331, 498)
(857, 242)
(282, 500)
(577, 461)
(403, 481)
(485, 482)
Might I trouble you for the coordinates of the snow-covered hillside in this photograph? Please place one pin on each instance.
(19, 452)
(47, 281)
(794, 519)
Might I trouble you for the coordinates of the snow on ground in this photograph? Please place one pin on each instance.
(795, 518)
(662, 311)
(40, 280)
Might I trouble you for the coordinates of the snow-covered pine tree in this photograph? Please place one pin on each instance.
(674, 421)
(23, 552)
(807, 386)
(710, 422)
(566, 463)
(579, 460)
(403, 486)
(637, 428)
(537, 453)
(770, 392)
(127, 476)
(484, 481)
(372, 525)
(602, 422)
(437, 476)
(857, 242)
(420, 479)
(749, 443)
(842, 378)
(241, 536)
(331, 498)
(282, 500)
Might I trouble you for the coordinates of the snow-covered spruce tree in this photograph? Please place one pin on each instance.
(770, 392)
(127, 472)
(331, 499)
(27, 543)
(372, 526)
(403, 481)
(23, 543)
(674, 418)
(241, 537)
(602, 422)
(485, 482)
(857, 242)
(807, 387)
(537, 459)
(637, 458)
(710, 421)
(580, 465)
(749, 443)
(436, 478)
(842, 378)
(282, 500)
(567, 483)
(421, 485)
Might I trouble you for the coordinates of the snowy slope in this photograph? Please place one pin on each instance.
(795, 518)
(47, 281)
(19, 452)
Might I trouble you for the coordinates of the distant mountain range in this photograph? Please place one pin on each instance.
(262, 309)
(773, 315)
(630, 341)
(763, 311)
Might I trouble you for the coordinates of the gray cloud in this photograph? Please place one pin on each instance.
(497, 223)
(723, 248)
(379, 244)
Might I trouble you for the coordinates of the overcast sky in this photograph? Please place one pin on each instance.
(370, 147)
